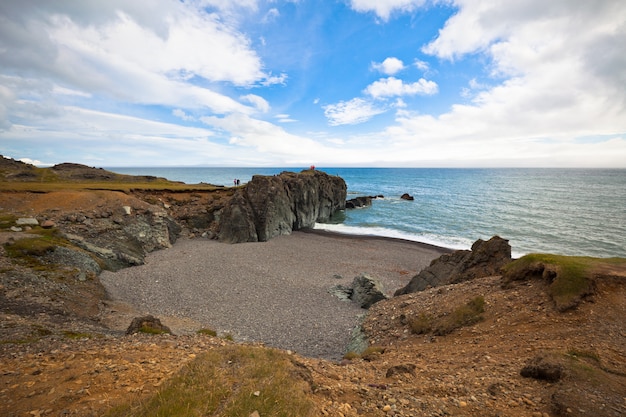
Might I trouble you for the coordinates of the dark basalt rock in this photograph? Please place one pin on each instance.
(362, 201)
(407, 197)
(367, 290)
(485, 259)
(270, 206)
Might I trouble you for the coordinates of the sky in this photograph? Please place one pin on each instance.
(285, 83)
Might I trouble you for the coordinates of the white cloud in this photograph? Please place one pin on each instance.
(350, 112)
(267, 138)
(182, 115)
(562, 79)
(271, 15)
(258, 102)
(30, 161)
(421, 65)
(125, 51)
(390, 87)
(389, 66)
(384, 8)
(285, 118)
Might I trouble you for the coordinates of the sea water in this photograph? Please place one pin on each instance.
(560, 211)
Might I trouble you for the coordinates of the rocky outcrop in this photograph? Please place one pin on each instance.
(407, 196)
(270, 206)
(119, 240)
(367, 290)
(486, 258)
(364, 291)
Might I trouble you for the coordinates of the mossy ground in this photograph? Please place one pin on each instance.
(570, 278)
(232, 381)
(461, 316)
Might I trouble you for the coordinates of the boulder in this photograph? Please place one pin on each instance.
(270, 206)
(359, 202)
(367, 290)
(27, 221)
(48, 224)
(486, 258)
(407, 196)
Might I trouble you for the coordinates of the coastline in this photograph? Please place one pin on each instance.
(340, 235)
(274, 292)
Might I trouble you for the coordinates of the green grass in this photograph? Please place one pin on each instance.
(151, 330)
(421, 324)
(369, 354)
(463, 315)
(45, 187)
(570, 278)
(7, 220)
(232, 381)
(28, 247)
(207, 332)
(76, 335)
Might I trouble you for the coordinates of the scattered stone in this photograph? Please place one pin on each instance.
(127, 210)
(147, 324)
(255, 413)
(341, 291)
(408, 368)
(543, 369)
(16, 229)
(27, 221)
(48, 224)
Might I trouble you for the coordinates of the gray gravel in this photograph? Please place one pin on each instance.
(273, 292)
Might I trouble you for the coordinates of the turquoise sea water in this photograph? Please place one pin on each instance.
(561, 211)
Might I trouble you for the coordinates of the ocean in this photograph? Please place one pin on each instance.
(577, 212)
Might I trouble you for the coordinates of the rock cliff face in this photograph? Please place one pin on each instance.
(271, 206)
(485, 259)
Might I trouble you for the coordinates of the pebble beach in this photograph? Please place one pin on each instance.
(273, 292)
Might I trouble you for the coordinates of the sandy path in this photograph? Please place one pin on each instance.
(275, 292)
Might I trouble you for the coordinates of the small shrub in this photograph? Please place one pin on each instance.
(7, 220)
(581, 353)
(421, 324)
(465, 315)
(41, 331)
(229, 337)
(372, 352)
(76, 335)
(207, 332)
(351, 355)
(151, 330)
(29, 247)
